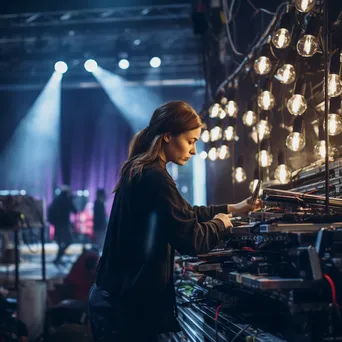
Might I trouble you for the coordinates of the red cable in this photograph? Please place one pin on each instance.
(183, 271)
(217, 312)
(333, 290)
(248, 249)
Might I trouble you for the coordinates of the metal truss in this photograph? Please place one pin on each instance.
(96, 16)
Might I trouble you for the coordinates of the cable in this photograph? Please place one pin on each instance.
(240, 332)
(333, 291)
(260, 9)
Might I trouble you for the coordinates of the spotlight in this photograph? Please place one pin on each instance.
(155, 62)
(123, 64)
(61, 67)
(90, 65)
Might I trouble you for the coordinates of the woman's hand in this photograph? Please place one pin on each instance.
(225, 218)
(244, 207)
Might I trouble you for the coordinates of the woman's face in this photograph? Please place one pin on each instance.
(179, 149)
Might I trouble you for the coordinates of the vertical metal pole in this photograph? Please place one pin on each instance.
(42, 241)
(17, 258)
(326, 101)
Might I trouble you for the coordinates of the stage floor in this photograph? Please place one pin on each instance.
(30, 264)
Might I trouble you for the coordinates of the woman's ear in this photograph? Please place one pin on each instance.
(167, 137)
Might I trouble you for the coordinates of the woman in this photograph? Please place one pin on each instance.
(133, 298)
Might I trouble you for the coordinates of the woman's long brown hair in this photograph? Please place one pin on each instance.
(174, 117)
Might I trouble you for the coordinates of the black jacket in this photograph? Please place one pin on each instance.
(148, 221)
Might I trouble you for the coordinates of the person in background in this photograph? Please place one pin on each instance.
(100, 219)
(59, 216)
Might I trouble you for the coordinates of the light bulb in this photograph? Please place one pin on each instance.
(249, 118)
(205, 136)
(224, 101)
(263, 129)
(262, 65)
(307, 46)
(334, 124)
(222, 114)
(239, 175)
(229, 133)
(282, 174)
(305, 6)
(212, 154)
(266, 100)
(223, 152)
(319, 150)
(231, 108)
(286, 74)
(253, 184)
(297, 104)
(281, 39)
(264, 158)
(214, 110)
(203, 155)
(334, 85)
(215, 133)
(295, 141)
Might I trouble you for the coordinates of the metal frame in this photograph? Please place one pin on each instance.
(96, 16)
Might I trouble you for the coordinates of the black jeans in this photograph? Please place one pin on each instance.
(107, 324)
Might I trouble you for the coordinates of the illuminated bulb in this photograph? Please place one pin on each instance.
(262, 65)
(319, 150)
(224, 101)
(305, 6)
(214, 110)
(334, 85)
(203, 155)
(307, 46)
(263, 129)
(249, 118)
(212, 154)
(215, 133)
(286, 74)
(239, 175)
(222, 114)
(223, 152)
(231, 109)
(282, 174)
(334, 124)
(295, 141)
(229, 133)
(205, 136)
(297, 104)
(265, 158)
(281, 39)
(266, 100)
(252, 186)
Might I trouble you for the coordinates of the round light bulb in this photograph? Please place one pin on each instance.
(262, 65)
(334, 85)
(231, 109)
(295, 141)
(224, 101)
(239, 175)
(229, 133)
(264, 158)
(223, 152)
(286, 74)
(319, 150)
(215, 133)
(253, 184)
(305, 6)
(90, 65)
(266, 100)
(249, 118)
(297, 105)
(212, 154)
(334, 124)
(214, 110)
(61, 67)
(282, 174)
(205, 136)
(263, 129)
(281, 38)
(203, 155)
(307, 46)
